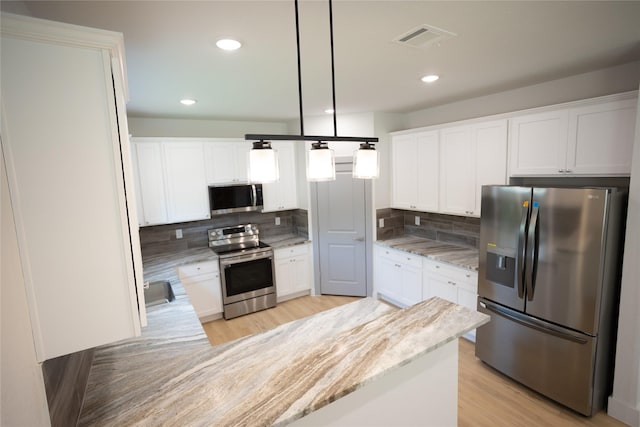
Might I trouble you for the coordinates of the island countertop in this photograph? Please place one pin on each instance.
(172, 376)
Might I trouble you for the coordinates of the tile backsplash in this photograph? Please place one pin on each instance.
(458, 230)
(162, 238)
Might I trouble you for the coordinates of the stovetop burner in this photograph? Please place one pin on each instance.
(236, 251)
(236, 239)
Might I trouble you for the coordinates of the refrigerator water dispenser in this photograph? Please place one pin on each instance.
(501, 269)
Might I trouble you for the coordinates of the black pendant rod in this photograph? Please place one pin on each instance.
(302, 136)
(333, 73)
(299, 70)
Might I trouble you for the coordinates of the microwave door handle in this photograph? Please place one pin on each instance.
(532, 246)
(522, 249)
(254, 195)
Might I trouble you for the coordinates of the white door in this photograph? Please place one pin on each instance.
(341, 234)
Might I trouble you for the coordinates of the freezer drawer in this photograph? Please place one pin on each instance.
(555, 362)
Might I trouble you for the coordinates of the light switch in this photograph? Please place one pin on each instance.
(178, 234)
(381, 223)
(277, 220)
(417, 220)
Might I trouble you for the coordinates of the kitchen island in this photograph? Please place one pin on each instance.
(294, 373)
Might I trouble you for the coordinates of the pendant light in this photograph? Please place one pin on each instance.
(366, 164)
(320, 159)
(321, 163)
(263, 163)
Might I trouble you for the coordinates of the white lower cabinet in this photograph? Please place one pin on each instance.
(398, 276)
(405, 279)
(293, 271)
(451, 283)
(201, 281)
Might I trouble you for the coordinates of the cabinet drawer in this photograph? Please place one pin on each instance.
(402, 257)
(458, 275)
(291, 251)
(198, 268)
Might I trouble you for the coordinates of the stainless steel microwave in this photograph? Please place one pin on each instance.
(235, 198)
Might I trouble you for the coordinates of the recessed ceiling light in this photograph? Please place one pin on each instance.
(430, 78)
(329, 111)
(187, 101)
(228, 44)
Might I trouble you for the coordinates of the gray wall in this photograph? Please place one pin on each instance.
(193, 128)
(624, 403)
(607, 81)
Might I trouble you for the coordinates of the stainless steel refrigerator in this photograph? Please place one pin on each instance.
(549, 277)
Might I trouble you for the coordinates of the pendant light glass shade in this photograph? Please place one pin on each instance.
(321, 164)
(263, 163)
(366, 164)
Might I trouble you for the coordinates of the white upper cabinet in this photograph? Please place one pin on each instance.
(538, 143)
(226, 161)
(457, 165)
(282, 195)
(149, 169)
(187, 194)
(66, 151)
(601, 138)
(490, 157)
(594, 139)
(415, 167)
(172, 180)
(444, 170)
(173, 175)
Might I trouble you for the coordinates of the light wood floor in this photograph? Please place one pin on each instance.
(221, 331)
(486, 398)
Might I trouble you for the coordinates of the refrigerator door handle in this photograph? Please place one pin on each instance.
(532, 247)
(531, 322)
(522, 250)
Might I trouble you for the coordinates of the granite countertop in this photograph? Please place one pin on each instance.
(284, 240)
(459, 256)
(171, 375)
(174, 377)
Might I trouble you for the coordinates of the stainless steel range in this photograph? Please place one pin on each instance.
(246, 266)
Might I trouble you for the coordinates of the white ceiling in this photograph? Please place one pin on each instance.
(170, 51)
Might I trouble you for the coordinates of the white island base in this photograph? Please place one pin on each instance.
(422, 393)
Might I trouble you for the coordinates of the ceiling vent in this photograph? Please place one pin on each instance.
(423, 36)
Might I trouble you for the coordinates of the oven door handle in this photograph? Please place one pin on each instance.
(226, 262)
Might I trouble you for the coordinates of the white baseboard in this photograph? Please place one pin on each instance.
(283, 298)
(623, 412)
